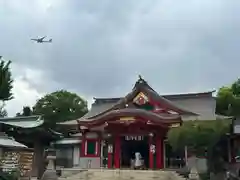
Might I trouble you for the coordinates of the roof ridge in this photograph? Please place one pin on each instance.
(20, 118)
(163, 95)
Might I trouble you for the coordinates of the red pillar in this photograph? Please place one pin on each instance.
(117, 152)
(159, 152)
(150, 142)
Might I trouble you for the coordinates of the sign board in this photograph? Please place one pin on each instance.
(26, 161)
(91, 135)
(110, 148)
(236, 129)
(134, 138)
(127, 119)
(236, 126)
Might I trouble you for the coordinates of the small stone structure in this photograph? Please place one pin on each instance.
(50, 173)
(193, 175)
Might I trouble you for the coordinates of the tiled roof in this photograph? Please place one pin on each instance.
(168, 96)
(23, 121)
(6, 141)
(103, 105)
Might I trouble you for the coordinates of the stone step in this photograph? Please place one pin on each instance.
(101, 174)
(67, 172)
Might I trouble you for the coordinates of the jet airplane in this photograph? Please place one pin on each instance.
(41, 40)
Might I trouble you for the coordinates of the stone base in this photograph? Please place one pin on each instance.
(49, 175)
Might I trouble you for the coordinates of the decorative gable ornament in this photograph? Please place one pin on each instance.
(141, 99)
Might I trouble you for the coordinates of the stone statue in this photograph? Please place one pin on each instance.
(138, 161)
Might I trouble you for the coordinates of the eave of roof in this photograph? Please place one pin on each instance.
(23, 122)
(218, 116)
(6, 141)
(156, 118)
(69, 123)
(68, 141)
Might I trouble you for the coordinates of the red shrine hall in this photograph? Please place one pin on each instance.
(137, 122)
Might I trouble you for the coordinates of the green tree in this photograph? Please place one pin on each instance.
(6, 85)
(26, 111)
(228, 100)
(201, 138)
(198, 135)
(3, 112)
(60, 106)
(6, 81)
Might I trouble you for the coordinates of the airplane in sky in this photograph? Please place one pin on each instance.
(41, 40)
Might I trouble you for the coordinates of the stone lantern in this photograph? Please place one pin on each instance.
(50, 172)
(51, 157)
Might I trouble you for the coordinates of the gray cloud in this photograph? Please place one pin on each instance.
(99, 47)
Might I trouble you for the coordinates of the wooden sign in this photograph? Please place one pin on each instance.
(127, 119)
(134, 138)
(9, 161)
(110, 148)
(26, 161)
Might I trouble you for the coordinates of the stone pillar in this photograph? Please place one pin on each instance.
(38, 160)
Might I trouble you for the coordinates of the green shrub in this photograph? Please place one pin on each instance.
(204, 176)
(9, 175)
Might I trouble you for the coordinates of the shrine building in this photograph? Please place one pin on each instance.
(115, 128)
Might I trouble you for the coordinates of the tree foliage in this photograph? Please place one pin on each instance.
(3, 112)
(198, 135)
(228, 100)
(6, 86)
(26, 111)
(202, 139)
(60, 106)
(6, 81)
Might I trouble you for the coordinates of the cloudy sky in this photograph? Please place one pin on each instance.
(100, 46)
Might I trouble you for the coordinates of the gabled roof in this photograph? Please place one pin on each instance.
(100, 101)
(140, 86)
(105, 105)
(23, 121)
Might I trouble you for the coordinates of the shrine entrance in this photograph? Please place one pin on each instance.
(129, 146)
